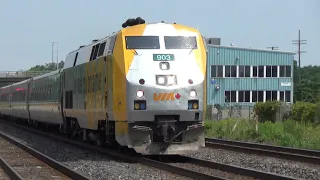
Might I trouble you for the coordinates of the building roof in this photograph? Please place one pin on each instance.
(252, 49)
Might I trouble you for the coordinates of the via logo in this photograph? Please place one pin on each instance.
(165, 96)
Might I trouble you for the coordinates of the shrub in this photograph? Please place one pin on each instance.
(304, 112)
(266, 111)
(288, 133)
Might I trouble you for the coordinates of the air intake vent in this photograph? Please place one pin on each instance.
(95, 40)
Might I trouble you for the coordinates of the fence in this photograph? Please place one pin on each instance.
(243, 112)
(8, 74)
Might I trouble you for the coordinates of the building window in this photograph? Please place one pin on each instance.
(285, 96)
(285, 71)
(257, 96)
(230, 71)
(227, 71)
(261, 71)
(254, 71)
(271, 71)
(258, 71)
(271, 95)
(244, 96)
(233, 71)
(230, 96)
(244, 71)
(216, 71)
(274, 71)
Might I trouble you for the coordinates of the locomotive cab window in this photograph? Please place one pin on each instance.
(180, 42)
(142, 42)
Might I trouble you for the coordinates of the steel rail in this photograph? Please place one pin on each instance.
(236, 169)
(166, 166)
(302, 155)
(46, 159)
(138, 159)
(10, 172)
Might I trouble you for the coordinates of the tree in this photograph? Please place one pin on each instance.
(47, 67)
(306, 83)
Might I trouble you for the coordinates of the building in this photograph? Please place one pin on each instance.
(240, 77)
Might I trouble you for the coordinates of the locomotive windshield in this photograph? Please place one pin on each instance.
(142, 42)
(180, 42)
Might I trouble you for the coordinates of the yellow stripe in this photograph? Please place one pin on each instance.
(121, 64)
(137, 30)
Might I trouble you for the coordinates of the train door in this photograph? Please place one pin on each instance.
(28, 97)
(61, 101)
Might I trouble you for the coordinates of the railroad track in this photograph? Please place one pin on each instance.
(214, 170)
(302, 155)
(19, 162)
(182, 165)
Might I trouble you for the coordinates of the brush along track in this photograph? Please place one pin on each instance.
(19, 162)
(302, 155)
(186, 166)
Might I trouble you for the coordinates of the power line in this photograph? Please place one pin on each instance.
(299, 42)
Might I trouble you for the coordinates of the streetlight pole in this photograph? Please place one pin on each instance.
(57, 56)
(52, 52)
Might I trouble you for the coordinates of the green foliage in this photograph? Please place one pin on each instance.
(208, 112)
(303, 112)
(47, 67)
(317, 112)
(306, 83)
(288, 133)
(266, 111)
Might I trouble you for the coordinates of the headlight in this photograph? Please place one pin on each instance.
(161, 80)
(171, 80)
(193, 93)
(164, 66)
(139, 94)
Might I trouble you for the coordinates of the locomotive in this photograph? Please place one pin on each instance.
(143, 88)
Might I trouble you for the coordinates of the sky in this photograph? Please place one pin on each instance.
(28, 28)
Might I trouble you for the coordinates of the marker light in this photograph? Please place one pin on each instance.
(139, 94)
(141, 81)
(195, 105)
(193, 93)
(161, 80)
(136, 106)
(190, 81)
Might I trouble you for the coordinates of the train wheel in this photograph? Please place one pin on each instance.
(73, 129)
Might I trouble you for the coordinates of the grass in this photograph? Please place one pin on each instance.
(288, 133)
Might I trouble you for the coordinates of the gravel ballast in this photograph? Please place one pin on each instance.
(86, 162)
(212, 172)
(262, 163)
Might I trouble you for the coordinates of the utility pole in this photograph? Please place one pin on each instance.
(273, 48)
(299, 42)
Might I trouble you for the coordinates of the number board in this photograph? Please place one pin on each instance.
(163, 57)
